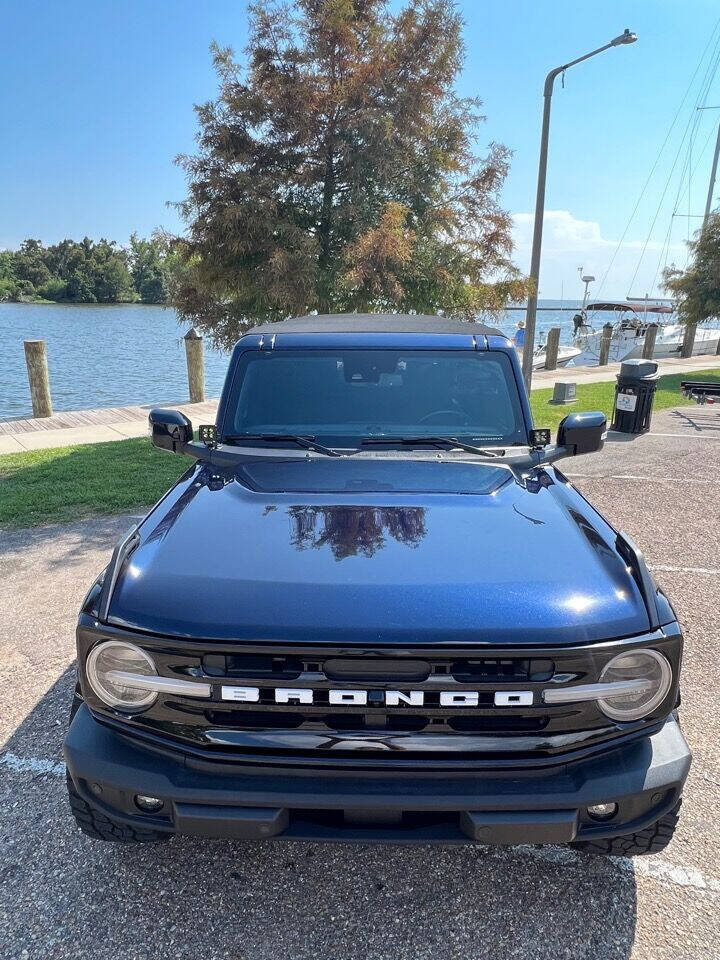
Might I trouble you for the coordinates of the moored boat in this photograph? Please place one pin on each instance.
(629, 329)
(565, 355)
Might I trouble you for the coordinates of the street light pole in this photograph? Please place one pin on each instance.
(713, 173)
(529, 348)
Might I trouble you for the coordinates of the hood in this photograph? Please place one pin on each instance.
(377, 551)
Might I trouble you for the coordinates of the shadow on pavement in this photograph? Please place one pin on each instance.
(705, 418)
(614, 436)
(198, 899)
(79, 538)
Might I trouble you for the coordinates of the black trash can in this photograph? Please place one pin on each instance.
(634, 395)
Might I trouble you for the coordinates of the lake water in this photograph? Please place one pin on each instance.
(99, 356)
(121, 354)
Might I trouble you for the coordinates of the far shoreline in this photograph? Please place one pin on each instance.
(72, 303)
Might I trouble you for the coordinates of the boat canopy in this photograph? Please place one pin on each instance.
(620, 306)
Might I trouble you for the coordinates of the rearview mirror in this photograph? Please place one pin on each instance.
(583, 432)
(170, 430)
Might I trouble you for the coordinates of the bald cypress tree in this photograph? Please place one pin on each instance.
(337, 171)
(697, 288)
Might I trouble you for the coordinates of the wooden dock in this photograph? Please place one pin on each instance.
(105, 416)
(92, 426)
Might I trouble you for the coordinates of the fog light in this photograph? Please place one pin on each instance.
(602, 811)
(148, 804)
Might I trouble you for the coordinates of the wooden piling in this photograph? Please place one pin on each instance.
(688, 340)
(195, 365)
(551, 348)
(607, 332)
(648, 350)
(38, 377)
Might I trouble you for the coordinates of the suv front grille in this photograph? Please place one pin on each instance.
(266, 728)
(374, 675)
(430, 732)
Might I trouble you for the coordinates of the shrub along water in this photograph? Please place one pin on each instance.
(87, 272)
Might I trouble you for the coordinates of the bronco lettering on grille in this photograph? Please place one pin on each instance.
(392, 698)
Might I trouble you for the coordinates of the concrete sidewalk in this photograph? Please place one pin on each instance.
(581, 375)
(118, 423)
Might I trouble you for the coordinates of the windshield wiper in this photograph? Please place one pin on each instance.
(437, 441)
(309, 443)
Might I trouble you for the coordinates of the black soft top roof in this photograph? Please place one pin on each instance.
(374, 323)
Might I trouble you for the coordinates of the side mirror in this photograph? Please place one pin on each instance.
(170, 430)
(583, 432)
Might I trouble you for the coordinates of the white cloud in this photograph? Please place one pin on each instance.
(569, 243)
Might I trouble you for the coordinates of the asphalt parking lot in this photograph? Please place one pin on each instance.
(62, 895)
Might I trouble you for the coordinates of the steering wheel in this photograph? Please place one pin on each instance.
(458, 414)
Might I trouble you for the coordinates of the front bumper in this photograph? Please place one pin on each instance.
(644, 777)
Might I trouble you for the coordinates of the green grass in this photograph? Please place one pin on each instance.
(600, 396)
(48, 486)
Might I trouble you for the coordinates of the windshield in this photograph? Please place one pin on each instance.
(341, 394)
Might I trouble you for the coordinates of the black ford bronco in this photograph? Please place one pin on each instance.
(373, 609)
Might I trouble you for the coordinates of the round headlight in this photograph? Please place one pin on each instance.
(105, 666)
(647, 665)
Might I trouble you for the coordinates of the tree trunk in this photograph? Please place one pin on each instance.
(326, 211)
(325, 226)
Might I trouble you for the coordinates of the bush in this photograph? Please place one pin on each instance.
(24, 290)
(53, 289)
(8, 290)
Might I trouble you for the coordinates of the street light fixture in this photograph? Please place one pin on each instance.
(528, 350)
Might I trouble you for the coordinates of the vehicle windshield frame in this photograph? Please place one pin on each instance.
(242, 357)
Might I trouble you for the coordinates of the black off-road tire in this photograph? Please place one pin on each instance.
(652, 839)
(96, 825)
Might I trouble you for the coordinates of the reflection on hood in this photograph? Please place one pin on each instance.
(353, 531)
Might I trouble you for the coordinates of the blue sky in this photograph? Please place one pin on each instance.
(98, 95)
